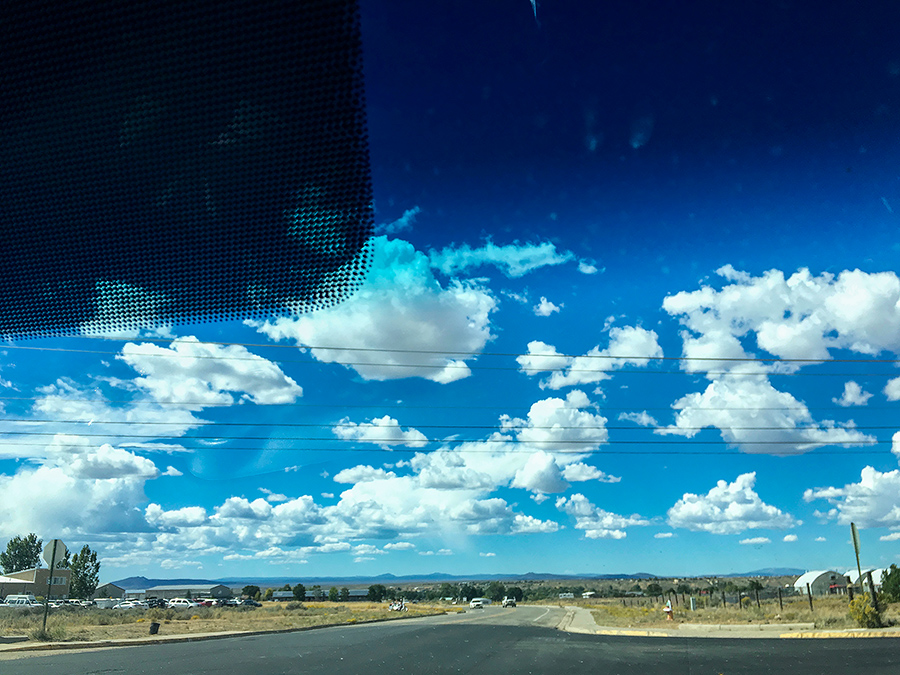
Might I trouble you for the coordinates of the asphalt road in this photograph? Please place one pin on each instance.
(493, 640)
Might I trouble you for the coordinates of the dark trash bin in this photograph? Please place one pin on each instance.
(154, 628)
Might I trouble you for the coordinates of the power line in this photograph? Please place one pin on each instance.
(740, 359)
(523, 369)
(394, 441)
(607, 449)
(352, 425)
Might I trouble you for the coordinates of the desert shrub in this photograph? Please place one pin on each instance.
(54, 633)
(291, 606)
(864, 613)
(157, 613)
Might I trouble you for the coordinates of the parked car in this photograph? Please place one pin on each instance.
(182, 603)
(22, 601)
(231, 602)
(250, 602)
(160, 603)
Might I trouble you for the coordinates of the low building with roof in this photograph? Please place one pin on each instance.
(877, 575)
(108, 591)
(283, 596)
(192, 590)
(821, 582)
(34, 582)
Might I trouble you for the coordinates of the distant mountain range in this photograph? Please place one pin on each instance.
(136, 583)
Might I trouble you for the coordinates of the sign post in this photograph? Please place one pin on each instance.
(51, 551)
(854, 535)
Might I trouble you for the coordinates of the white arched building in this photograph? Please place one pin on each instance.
(822, 582)
(853, 576)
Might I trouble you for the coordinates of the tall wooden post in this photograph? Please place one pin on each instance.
(49, 583)
(780, 603)
(872, 590)
(809, 595)
(758, 606)
(724, 606)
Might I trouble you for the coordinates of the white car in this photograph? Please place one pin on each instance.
(182, 603)
(22, 601)
(476, 604)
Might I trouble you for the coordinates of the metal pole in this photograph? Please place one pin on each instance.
(809, 595)
(49, 584)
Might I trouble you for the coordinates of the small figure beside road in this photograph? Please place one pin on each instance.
(670, 612)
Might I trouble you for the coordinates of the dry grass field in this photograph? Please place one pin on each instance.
(110, 624)
(827, 613)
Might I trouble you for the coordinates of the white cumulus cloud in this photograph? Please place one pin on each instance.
(402, 321)
(545, 307)
(628, 346)
(382, 431)
(728, 508)
(596, 522)
(853, 395)
(207, 374)
(872, 502)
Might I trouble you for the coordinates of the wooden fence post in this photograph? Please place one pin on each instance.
(724, 606)
(780, 603)
(872, 590)
(758, 606)
(809, 595)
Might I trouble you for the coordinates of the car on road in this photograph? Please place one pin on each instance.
(476, 604)
(509, 602)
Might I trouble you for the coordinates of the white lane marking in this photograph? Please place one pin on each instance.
(546, 611)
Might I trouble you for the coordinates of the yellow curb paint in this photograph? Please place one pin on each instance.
(632, 633)
(839, 635)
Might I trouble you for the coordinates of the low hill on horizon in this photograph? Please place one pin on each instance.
(141, 583)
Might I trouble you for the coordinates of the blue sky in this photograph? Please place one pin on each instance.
(633, 305)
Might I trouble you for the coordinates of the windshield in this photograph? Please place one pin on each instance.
(630, 308)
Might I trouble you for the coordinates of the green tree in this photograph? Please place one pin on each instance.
(299, 592)
(515, 592)
(250, 591)
(890, 584)
(85, 573)
(333, 594)
(345, 594)
(754, 585)
(654, 589)
(376, 592)
(22, 553)
(268, 594)
(318, 593)
(448, 590)
(495, 591)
